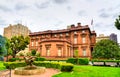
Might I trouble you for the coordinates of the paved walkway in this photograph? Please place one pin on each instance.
(49, 73)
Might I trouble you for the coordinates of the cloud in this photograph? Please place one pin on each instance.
(69, 7)
(2, 22)
(82, 13)
(42, 5)
(5, 9)
(104, 15)
(60, 1)
(20, 6)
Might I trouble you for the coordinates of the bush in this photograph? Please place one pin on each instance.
(66, 67)
(14, 59)
(57, 65)
(81, 61)
(1, 58)
(33, 52)
(13, 65)
(72, 60)
(40, 59)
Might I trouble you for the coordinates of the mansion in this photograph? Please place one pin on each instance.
(63, 43)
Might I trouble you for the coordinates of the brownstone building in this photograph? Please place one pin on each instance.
(63, 43)
(16, 30)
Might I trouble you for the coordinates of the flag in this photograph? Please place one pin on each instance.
(92, 22)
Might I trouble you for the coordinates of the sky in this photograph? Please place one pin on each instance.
(40, 15)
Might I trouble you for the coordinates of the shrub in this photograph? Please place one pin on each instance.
(14, 59)
(1, 58)
(81, 61)
(72, 60)
(40, 59)
(33, 52)
(66, 67)
(13, 65)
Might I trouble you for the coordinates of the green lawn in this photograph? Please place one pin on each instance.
(91, 71)
(2, 67)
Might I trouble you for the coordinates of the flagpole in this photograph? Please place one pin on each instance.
(92, 24)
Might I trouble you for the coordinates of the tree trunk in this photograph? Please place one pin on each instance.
(14, 54)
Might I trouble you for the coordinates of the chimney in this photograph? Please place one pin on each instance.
(79, 24)
(72, 26)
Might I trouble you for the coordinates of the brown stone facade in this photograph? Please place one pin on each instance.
(16, 30)
(63, 43)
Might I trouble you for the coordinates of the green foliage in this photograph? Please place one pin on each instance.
(1, 58)
(40, 59)
(14, 59)
(81, 61)
(2, 46)
(66, 67)
(2, 67)
(33, 52)
(72, 60)
(106, 49)
(18, 43)
(117, 23)
(14, 65)
(57, 65)
(8, 48)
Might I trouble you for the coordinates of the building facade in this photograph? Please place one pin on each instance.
(63, 43)
(102, 37)
(16, 30)
(113, 37)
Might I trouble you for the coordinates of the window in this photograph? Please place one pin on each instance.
(84, 52)
(59, 51)
(67, 34)
(75, 32)
(83, 31)
(42, 36)
(32, 43)
(47, 51)
(55, 35)
(61, 35)
(75, 40)
(83, 40)
(36, 43)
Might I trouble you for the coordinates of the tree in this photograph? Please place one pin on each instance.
(117, 23)
(18, 43)
(8, 48)
(106, 49)
(33, 52)
(2, 47)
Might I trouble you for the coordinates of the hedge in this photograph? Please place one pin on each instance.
(13, 65)
(62, 66)
(40, 59)
(81, 61)
(14, 59)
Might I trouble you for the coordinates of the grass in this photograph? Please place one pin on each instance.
(91, 71)
(2, 67)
